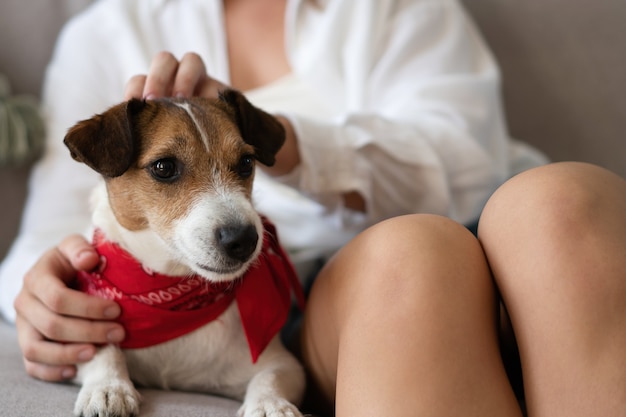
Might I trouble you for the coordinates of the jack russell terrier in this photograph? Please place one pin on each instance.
(203, 284)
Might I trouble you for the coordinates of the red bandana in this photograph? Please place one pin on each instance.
(157, 308)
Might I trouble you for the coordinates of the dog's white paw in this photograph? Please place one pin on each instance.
(111, 399)
(269, 407)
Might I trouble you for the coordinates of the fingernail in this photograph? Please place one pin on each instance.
(112, 312)
(84, 254)
(150, 97)
(83, 355)
(68, 373)
(116, 335)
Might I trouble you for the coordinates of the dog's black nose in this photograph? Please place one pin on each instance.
(237, 241)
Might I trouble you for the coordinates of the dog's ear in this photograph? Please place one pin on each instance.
(106, 142)
(257, 127)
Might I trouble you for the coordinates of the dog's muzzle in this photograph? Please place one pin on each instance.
(237, 241)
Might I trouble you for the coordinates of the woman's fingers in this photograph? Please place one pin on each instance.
(64, 328)
(168, 77)
(80, 253)
(161, 76)
(49, 372)
(45, 284)
(194, 80)
(191, 73)
(37, 349)
(50, 361)
(209, 88)
(51, 316)
(53, 294)
(135, 86)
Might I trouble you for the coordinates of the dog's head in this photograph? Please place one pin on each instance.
(183, 169)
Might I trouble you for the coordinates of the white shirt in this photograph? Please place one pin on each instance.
(398, 100)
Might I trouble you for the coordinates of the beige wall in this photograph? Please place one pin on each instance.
(564, 74)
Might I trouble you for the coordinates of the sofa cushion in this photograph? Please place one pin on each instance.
(21, 395)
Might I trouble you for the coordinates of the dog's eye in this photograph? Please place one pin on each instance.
(165, 170)
(245, 167)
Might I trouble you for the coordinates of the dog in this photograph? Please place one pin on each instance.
(203, 284)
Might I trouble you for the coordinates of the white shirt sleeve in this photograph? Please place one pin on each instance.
(421, 127)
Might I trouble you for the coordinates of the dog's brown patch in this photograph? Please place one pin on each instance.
(168, 133)
(205, 139)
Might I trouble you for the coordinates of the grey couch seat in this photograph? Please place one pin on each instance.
(23, 396)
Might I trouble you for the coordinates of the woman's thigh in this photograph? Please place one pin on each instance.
(555, 239)
(403, 321)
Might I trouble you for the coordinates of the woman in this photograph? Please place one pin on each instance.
(391, 108)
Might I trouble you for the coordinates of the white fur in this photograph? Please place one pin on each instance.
(214, 358)
(190, 246)
(192, 116)
(145, 245)
(191, 242)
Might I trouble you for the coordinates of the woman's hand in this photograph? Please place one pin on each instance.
(188, 77)
(57, 326)
(169, 77)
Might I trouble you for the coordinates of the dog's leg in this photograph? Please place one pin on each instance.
(274, 390)
(106, 387)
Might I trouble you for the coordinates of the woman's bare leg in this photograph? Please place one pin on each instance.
(555, 238)
(402, 322)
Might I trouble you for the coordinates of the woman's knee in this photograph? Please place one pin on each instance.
(562, 221)
(403, 260)
(556, 201)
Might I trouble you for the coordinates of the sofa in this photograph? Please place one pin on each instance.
(563, 88)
